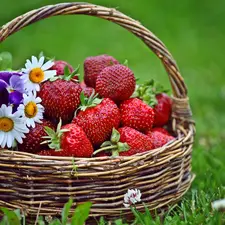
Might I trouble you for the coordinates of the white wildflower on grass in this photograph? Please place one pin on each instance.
(131, 197)
(219, 204)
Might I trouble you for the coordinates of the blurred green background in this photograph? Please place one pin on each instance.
(193, 31)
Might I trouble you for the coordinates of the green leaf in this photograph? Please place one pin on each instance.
(96, 101)
(41, 220)
(64, 130)
(59, 126)
(5, 61)
(81, 214)
(66, 210)
(10, 216)
(45, 142)
(55, 222)
(41, 54)
(75, 72)
(148, 91)
(74, 170)
(125, 63)
(106, 143)
(123, 147)
(147, 217)
(55, 146)
(115, 137)
(66, 71)
(119, 222)
(17, 212)
(54, 78)
(50, 132)
(137, 79)
(138, 216)
(82, 98)
(102, 221)
(92, 96)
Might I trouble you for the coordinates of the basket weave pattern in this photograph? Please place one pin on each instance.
(31, 182)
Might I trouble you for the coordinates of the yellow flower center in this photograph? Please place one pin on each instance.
(36, 75)
(6, 124)
(31, 110)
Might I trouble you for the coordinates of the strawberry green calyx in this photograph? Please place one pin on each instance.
(114, 145)
(53, 138)
(47, 57)
(125, 63)
(115, 137)
(147, 92)
(67, 75)
(86, 102)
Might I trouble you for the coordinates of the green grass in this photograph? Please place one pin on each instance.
(193, 31)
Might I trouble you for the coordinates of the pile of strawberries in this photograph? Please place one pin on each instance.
(107, 114)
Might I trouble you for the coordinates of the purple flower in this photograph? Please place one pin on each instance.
(11, 88)
(3, 85)
(6, 75)
(4, 96)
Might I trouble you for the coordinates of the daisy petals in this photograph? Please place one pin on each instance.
(34, 61)
(47, 65)
(41, 61)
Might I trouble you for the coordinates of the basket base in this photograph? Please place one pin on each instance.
(160, 209)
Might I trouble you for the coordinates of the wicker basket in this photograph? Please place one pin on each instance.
(163, 175)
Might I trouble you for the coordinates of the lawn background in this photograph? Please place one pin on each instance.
(193, 31)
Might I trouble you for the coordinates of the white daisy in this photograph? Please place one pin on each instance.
(131, 197)
(12, 127)
(36, 72)
(31, 110)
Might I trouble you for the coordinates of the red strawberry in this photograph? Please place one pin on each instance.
(153, 95)
(116, 82)
(60, 65)
(98, 118)
(162, 109)
(70, 141)
(52, 152)
(126, 142)
(158, 138)
(136, 114)
(48, 152)
(94, 65)
(137, 141)
(32, 142)
(160, 129)
(60, 98)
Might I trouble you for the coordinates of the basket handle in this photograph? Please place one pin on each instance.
(176, 80)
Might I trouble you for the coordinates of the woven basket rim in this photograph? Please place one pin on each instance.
(151, 152)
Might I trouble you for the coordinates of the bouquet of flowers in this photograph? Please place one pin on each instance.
(20, 108)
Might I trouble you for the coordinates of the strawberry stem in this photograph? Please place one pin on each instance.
(105, 149)
(114, 144)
